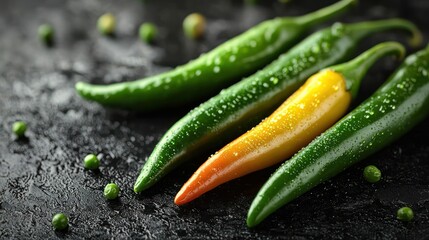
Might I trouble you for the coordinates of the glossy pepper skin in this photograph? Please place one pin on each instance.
(207, 75)
(313, 108)
(243, 105)
(395, 108)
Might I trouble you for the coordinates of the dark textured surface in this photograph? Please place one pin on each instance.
(43, 174)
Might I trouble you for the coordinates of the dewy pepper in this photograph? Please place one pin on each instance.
(395, 108)
(317, 105)
(219, 68)
(243, 105)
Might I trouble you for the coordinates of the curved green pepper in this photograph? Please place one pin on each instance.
(219, 68)
(241, 106)
(398, 105)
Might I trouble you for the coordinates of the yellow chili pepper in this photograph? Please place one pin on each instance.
(317, 105)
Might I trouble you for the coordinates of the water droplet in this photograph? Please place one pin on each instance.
(337, 29)
(423, 71)
(315, 49)
(370, 112)
(198, 72)
(284, 70)
(274, 80)
(157, 83)
(325, 46)
(217, 61)
(209, 61)
(253, 44)
(216, 69)
(232, 58)
(269, 34)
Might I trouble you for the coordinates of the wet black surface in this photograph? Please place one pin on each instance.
(43, 174)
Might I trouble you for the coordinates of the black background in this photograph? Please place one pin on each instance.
(43, 174)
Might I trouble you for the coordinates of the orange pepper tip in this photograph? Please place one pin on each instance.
(181, 197)
(188, 193)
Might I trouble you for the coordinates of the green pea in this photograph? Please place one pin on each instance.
(19, 128)
(91, 162)
(194, 25)
(106, 24)
(372, 174)
(147, 32)
(111, 191)
(405, 214)
(60, 221)
(46, 33)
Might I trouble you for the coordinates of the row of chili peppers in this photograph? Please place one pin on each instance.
(306, 120)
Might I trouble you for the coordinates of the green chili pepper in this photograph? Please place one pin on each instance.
(372, 174)
(243, 105)
(405, 214)
(389, 113)
(219, 68)
(60, 221)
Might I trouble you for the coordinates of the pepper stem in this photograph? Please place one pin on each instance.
(326, 13)
(354, 70)
(363, 29)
